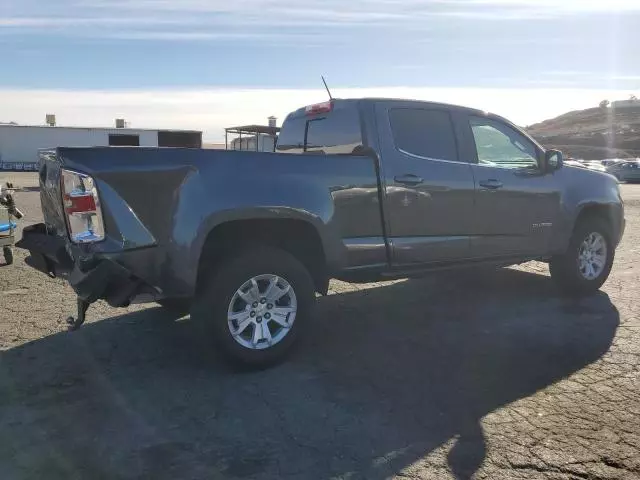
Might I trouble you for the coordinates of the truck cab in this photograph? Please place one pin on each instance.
(456, 185)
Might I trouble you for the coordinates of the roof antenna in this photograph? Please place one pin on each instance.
(325, 86)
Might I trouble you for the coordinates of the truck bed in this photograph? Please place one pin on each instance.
(159, 205)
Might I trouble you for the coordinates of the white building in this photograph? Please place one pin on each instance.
(19, 144)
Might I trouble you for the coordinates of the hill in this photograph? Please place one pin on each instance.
(594, 133)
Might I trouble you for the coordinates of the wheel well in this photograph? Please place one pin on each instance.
(297, 237)
(603, 212)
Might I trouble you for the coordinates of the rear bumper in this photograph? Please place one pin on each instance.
(92, 277)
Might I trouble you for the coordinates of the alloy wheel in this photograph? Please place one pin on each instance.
(592, 256)
(262, 311)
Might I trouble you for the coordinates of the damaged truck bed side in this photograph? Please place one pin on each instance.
(359, 190)
(163, 208)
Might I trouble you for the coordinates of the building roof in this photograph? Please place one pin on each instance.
(253, 129)
(126, 129)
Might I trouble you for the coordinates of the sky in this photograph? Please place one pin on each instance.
(209, 64)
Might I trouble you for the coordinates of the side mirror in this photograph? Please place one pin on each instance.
(553, 160)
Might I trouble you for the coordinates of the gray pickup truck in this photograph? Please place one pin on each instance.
(359, 190)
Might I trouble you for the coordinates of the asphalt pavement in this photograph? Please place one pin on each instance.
(485, 375)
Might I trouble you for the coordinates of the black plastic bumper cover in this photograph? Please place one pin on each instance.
(47, 252)
(92, 278)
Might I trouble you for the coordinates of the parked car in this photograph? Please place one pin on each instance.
(589, 164)
(611, 161)
(358, 190)
(625, 170)
(595, 165)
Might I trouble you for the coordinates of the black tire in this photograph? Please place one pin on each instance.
(178, 306)
(565, 269)
(8, 255)
(210, 309)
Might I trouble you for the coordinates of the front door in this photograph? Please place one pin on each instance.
(429, 191)
(517, 202)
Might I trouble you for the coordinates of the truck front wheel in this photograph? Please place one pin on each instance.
(256, 305)
(586, 264)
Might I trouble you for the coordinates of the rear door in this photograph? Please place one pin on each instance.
(429, 189)
(516, 202)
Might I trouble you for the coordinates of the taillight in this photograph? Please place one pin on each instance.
(319, 108)
(82, 207)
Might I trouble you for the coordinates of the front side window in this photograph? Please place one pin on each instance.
(501, 146)
(424, 133)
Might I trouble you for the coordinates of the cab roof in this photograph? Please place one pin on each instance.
(346, 102)
(339, 103)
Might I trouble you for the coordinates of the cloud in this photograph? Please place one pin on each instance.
(558, 77)
(211, 110)
(241, 13)
(209, 35)
(630, 78)
(574, 6)
(17, 22)
(567, 73)
(122, 18)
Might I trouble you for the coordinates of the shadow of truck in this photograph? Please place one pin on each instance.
(385, 376)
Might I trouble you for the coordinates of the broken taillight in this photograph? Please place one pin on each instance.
(82, 207)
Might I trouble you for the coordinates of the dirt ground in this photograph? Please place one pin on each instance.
(485, 376)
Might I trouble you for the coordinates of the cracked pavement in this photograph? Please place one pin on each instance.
(484, 375)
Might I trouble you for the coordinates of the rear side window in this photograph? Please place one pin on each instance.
(425, 133)
(334, 133)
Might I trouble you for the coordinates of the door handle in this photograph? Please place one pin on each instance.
(408, 179)
(492, 184)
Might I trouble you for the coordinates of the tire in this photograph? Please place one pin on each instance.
(566, 269)
(178, 306)
(255, 347)
(8, 255)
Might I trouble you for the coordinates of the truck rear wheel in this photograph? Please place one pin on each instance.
(586, 264)
(255, 306)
